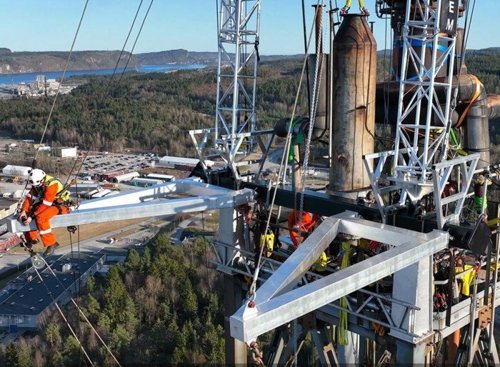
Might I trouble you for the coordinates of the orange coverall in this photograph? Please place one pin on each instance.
(39, 204)
(300, 229)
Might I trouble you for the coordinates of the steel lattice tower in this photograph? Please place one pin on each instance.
(423, 120)
(238, 40)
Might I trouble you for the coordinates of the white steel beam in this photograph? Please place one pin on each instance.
(146, 203)
(274, 308)
(289, 273)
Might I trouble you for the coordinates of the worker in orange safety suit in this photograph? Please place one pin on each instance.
(46, 198)
(300, 229)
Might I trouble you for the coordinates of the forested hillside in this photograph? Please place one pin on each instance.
(161, 308)
(29, 62)
(486, 65)
(153, 112)
(149, 112)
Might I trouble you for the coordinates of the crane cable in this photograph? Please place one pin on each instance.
(312, 120)
(108, 89)
(282, 170)
(106, 93)
(78, 308)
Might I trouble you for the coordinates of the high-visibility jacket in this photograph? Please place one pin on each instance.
(44, 196)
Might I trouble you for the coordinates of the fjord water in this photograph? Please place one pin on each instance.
(10, 79)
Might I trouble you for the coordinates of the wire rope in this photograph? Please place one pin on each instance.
(312, 120)
(136, 39)
(63, 316)
(282, 169)
(63, 76)
(49, 117)
(125, 43)
(79, 310)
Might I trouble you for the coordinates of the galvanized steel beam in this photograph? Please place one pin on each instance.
(146, 203)
(273, 309)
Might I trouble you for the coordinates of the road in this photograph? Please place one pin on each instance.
(136, 233)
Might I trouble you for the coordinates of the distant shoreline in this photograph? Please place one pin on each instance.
(15, 79)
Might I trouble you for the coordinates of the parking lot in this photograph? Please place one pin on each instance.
(109, 162)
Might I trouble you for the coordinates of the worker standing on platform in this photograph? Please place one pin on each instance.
(362, 8)
(46, 198)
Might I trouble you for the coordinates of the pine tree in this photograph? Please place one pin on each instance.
(133, 261)
(11, 355)
(71, 351)
(52, 335)
(23, 355)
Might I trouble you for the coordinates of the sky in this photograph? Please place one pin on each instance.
(50, 25)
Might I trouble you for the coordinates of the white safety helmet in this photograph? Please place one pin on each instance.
(36, 177)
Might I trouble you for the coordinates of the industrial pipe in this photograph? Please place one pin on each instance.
(353, 94)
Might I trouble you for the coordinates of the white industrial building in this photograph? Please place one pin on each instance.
(65, 152)
(181, 163)
(160, 176)
(11, 170)
(125, 177)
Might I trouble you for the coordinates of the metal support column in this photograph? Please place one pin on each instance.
(409, 354)
(235, 350)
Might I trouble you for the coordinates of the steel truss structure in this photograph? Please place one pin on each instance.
(278, 302)
(424, 118)
(229, 150)
(424, 104)
(244, 265)
(238, 41)
(448, 209)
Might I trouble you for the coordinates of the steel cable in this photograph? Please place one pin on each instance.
(79, 310)
(124, 45)
(312, 120)
(136, 39)
(55, 98)
(283, 165)
(63, 76)
(62, 315)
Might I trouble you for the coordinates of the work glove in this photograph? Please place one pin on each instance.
(23, 218)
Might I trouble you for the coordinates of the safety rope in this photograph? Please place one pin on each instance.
(63, 316)
(78, 308)
(49, 117)
(281, 171)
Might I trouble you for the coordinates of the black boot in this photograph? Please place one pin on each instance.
(50, 250)
(27, 244)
